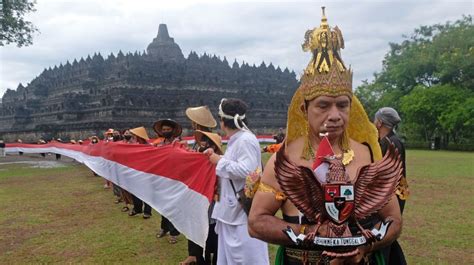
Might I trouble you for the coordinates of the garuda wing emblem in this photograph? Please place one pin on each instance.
(376, 183)
(374, 186)
(300, 186)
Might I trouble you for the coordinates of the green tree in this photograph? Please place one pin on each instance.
(374, 96)
(442, 110)
(457, 120)
(437, 54)
(13, 26)
(415, 74)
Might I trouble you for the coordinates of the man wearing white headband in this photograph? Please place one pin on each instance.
(235, 246)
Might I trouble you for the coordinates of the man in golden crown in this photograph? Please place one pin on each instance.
(324, 111)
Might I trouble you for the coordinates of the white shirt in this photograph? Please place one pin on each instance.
(242, 157)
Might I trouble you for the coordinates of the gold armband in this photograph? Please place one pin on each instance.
(279, 195)
(402, 190)
(302, 229)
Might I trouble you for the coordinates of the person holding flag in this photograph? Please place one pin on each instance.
(202, 122)
(108, 137)
(140, 136)
(126, 196)
(242, 157)
(170, 131)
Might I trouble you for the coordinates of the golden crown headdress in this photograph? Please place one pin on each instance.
(327, 75)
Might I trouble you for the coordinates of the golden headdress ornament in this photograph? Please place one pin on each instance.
(327, 75)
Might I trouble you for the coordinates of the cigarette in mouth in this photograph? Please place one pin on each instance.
(324, 132)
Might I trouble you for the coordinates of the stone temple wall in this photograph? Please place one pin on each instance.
(88, 96)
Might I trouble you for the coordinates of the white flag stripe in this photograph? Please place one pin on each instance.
(184, 207)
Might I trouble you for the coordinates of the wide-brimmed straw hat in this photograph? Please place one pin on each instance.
(202, 116)
(140, 132)
(215, 138)
(168, 122)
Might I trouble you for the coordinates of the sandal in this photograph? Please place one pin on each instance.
(133, 213)
(125, 209)
(173, 240)
(191, 260)
(161, 234)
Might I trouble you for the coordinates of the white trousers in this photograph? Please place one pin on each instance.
(235, 246)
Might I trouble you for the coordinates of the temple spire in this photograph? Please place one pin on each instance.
(163, 32)
(163, 47)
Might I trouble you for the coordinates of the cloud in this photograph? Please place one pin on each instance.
(270, 31)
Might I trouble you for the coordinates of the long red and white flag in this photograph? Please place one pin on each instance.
(177, 183)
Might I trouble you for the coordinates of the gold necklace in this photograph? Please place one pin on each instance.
(347, 157)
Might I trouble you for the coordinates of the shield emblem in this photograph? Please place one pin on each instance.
(339, 201)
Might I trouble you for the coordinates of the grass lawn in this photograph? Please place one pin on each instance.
(439, 215)
(63, 215)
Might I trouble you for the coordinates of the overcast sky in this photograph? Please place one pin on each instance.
(270, 31)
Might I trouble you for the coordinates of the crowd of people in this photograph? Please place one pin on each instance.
(236, 237)
(322, 108)
(227, 221)
(169, 132)
(229, 240)
(228, 230)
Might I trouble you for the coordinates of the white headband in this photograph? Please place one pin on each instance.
(236, 117)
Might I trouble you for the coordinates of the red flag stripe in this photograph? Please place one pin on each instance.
(171, 161)
(177, 183)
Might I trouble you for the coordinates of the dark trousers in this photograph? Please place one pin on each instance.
(138, 206)
(117, 190)
(58, 156)
(393, 254)
(167, 226)
(401, 203)
(211, 248)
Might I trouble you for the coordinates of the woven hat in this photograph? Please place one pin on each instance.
(168, 122)
(215, 138)
(202, 116)
(94, 137)
(140, 132)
